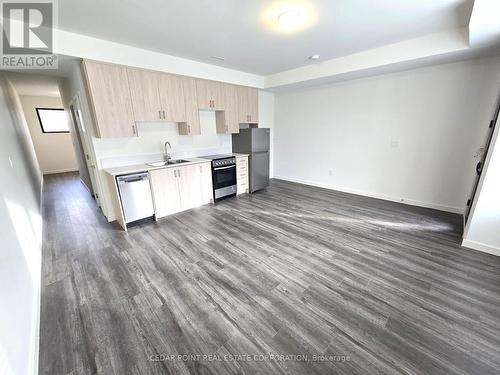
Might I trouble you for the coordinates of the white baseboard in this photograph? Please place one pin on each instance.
(411, 202)
(481, 247)
(61, 171)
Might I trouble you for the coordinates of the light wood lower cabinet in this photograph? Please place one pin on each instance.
(165, 189)
(241, 175)
(180, 188)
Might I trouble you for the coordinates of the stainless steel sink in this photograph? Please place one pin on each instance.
(170, 162)
(178, 161)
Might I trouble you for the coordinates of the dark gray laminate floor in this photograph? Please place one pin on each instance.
(295, 270)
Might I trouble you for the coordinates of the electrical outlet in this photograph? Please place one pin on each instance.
(394, 143)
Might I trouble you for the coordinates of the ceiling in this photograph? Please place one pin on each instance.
(244, 32)
(35, 85)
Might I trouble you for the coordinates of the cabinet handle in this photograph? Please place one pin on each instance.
(175, 173)
(159, 114)
(163, 115)
(133, 129)
(189, 129)
(178, 173)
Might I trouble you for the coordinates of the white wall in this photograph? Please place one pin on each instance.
(55, 152)
(20, 239)
(71, 44)
(483, 231)
(406, 136)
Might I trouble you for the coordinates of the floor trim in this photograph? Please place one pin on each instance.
(410, 202)
(481, 247)
(65, 170)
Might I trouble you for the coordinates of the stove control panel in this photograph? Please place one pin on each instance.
(224, 162)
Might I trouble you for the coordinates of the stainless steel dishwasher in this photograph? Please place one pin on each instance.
(135, 195)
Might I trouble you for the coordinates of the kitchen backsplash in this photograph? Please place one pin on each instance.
(148, 146)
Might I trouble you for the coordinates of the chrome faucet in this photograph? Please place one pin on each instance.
(166, 156)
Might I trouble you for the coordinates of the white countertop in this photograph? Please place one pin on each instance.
(135, 168)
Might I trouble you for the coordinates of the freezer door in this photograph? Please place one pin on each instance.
(259, 170)
(260, 139)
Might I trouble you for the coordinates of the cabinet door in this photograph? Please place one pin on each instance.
(203, 94)
(110, 99)
(243, 107)
(210, 94)
(165, 189)
(145, 96)
(207, 192)
(192, 124)
(253, 105)
(172, 97)
(242, 174)
(190, 186)
(247, 105)
(219, 97)
(231, 111)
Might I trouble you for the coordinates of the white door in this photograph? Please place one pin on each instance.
(88, 173)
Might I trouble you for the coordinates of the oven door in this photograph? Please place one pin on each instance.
(224, 176)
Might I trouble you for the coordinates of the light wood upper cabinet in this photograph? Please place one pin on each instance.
(121, 96)
(172, 97)
(253, 104)
(110, 98)
(145, 96)
(192, 124)
(247, 105)
(210, 94)
(227, 121)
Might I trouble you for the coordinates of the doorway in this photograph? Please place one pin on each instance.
(483, 154)
(82, 138)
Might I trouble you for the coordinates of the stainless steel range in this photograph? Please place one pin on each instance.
(223, 175)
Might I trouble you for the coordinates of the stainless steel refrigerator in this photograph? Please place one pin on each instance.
(255, 143)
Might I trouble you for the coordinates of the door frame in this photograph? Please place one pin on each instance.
(480, 167)
(85, 137)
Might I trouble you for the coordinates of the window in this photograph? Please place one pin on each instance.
(53, 120)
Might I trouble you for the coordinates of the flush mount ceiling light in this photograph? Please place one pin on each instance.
(289, 21)
(288, 16)
(314, 57)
